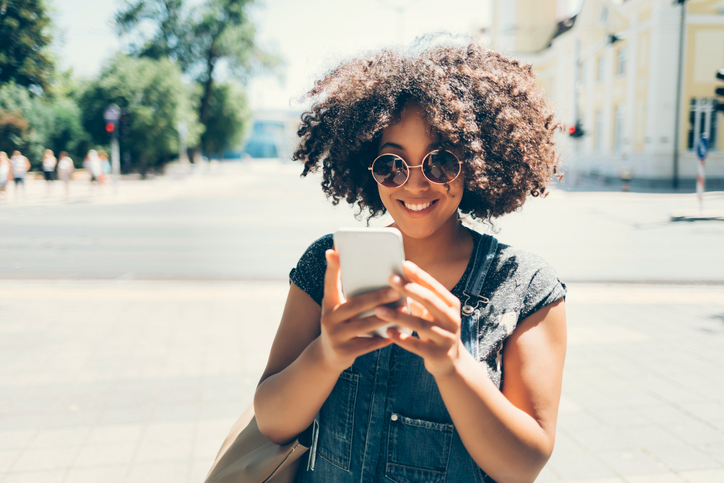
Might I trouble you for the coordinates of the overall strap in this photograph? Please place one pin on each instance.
(483, 259)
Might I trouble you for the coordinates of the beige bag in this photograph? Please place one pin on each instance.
(247, 456)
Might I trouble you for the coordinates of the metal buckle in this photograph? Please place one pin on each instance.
(467, 308)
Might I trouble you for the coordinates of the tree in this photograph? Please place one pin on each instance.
(24, 43)
(156, 100)
(229, 119)
(170, 38)
(23, 121)
(218, 30)
(33, 123)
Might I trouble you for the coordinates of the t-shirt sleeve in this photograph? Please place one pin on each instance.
(309, 272)
(544, 289)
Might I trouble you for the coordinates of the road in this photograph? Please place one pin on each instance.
(252, 221)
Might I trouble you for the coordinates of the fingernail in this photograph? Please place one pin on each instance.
(396, 279)
(382, 311)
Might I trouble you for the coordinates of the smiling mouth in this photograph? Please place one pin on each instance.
(418, 206)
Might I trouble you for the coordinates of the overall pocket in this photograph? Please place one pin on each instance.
(336, 421)
(417, 450)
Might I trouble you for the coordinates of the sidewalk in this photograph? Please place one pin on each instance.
(137, 381)
(178, 182)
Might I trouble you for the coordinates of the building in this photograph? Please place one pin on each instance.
(273, 134)
(613, 70)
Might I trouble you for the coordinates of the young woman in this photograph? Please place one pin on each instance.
(473, 394)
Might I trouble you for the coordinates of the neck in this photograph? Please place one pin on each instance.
(447, 243)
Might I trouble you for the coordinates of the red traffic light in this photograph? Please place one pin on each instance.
(575, 130)
(110, 127)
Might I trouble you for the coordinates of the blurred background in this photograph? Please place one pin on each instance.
(141, 284)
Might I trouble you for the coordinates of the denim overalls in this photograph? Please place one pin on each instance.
(385, 419)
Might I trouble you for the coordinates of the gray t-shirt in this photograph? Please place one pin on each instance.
(518, 282)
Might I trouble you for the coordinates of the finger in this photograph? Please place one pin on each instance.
(365, 302)
(364, 345)
(413, 273)
(424, 328)
(333, 295)
(435, 306)
(408, 342)
(361, 327)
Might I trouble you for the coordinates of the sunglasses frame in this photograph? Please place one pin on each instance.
(460, 168)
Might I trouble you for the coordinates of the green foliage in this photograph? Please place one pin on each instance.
(67, 133)
(229, 119)
(32, 124)
(23, 121)
(170, 38)
(156, 99)
(218, 30)
(24, 43)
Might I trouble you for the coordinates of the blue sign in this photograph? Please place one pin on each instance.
(702, 147)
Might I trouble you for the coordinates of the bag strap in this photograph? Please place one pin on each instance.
(484, 255)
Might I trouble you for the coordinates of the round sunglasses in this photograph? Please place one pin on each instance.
(439, 167)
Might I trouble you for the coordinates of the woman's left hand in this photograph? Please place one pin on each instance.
(434, 316)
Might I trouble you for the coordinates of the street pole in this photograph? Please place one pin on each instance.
(112, 115)
(677, 116)
(115, 161)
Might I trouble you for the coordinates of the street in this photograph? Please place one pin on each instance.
(252, 221)
(134, 325)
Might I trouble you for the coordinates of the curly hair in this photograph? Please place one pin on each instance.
(484, 104)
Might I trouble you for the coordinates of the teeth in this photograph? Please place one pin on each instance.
(419, 207)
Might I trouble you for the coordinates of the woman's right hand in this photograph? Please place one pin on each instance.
(344, 337)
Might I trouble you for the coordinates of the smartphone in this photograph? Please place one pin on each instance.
(367, 257)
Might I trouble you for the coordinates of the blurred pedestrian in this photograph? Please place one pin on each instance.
(49, 162)
(470, 390)
(105, 166)
(4, 174)
(65, 171)
(93, 164)
(20, 166)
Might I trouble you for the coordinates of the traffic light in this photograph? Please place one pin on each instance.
(110, 127)
(124, 124)
(719, 91)
(576, 131)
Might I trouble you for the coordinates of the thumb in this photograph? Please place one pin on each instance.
(333, 295)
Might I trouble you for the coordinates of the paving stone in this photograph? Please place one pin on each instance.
(682, 457)
(155, 472)
(579, 466)
(704, 476)
(631, 462)
(55, 476)
(105, 455)
(114, 474)
(45, 459)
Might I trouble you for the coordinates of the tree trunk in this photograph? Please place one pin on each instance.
(206, 99)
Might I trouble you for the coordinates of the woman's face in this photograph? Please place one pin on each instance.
(412, 139)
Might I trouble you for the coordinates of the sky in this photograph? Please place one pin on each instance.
(311, 36)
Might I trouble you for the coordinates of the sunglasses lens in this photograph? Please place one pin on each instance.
(390, 171)
(441, 166)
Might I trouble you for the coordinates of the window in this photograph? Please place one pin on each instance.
(702, 121)
(598, 131)
(621, 61)
(618, 128)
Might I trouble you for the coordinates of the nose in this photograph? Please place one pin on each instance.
(417, 181)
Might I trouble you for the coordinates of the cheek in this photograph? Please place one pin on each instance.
(455, 190)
